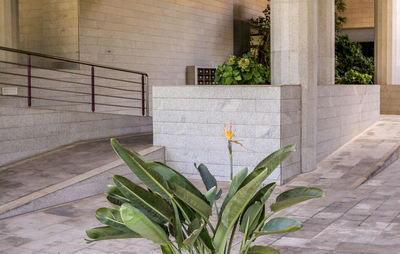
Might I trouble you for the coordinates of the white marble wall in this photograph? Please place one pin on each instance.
(189, 122)
(344, 111)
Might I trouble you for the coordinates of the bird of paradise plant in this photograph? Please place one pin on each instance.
(229, 134)
(174, 214)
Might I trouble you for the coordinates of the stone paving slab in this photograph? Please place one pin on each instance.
(60, 165)
(363, 220)
(356, 161)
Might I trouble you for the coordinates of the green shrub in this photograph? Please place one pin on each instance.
(352, 66)
(350, 60)
(260, 37)
(172, 213)
(354, 77)
(242, 70)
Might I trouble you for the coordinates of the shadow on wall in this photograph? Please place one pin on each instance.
(241, 30)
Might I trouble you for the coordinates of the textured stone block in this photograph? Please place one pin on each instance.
(344, 111)
(189, 122)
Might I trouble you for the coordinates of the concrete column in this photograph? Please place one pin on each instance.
(9, 23)
(326, 42)
(294, 60)
(387, 42)
(8, 29)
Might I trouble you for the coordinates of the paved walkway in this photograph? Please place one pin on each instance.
(62, 164)
(361, 220)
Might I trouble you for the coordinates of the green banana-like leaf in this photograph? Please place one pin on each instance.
(274, 159)
(271, 162)
(280, 225)
(175, 177)
(194, 235)
(193, 201)
(185, 209)
(251, 215)
(115, 196)
(195, 224)
(234, 208)
(112, 218)
(261, 196)
(208, 242)
(136, 221)
(208, 179)
(234, 186)
(204, 237)
(178, 226)
(112, 189)
(257, 249)
(150, 204)
(211, 195)
(105, 233)
(167, 249)
(295, 196)
(114, 202)
(149, 177)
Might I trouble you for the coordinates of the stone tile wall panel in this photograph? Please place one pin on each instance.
(189, 122)
(344, 111)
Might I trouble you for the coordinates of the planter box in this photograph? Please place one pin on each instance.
(189, 120)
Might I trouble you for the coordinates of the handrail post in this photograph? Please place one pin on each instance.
(147, 96)
(29, 81)
(143, 97)
(93, 95)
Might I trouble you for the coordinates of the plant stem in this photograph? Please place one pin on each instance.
(174, 249)
(253, 237)
(247, 245)
(230, 157)
(263, 221)
(216, 208)
(242, 246)
(199, 247)
(231, 239)
(209, 224)
(183, 211)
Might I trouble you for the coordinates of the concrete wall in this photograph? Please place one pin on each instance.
(189, 122)
(359, 13)
(344, 111)
(27, 132)
(247, 9)
(8, 28)
(158, 37)
(390, 99)
(161, 37)
(49, 26)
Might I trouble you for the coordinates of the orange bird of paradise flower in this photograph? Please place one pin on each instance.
(229, 134)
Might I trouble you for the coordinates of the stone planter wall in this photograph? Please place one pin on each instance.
(344, 111)
(189, 122)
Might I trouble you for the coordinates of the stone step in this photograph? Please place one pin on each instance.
(91, 182)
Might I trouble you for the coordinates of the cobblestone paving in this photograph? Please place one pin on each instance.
(363, 220)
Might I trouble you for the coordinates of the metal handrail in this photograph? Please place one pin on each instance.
(25, 52)
(29, 54)
(69, 72)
